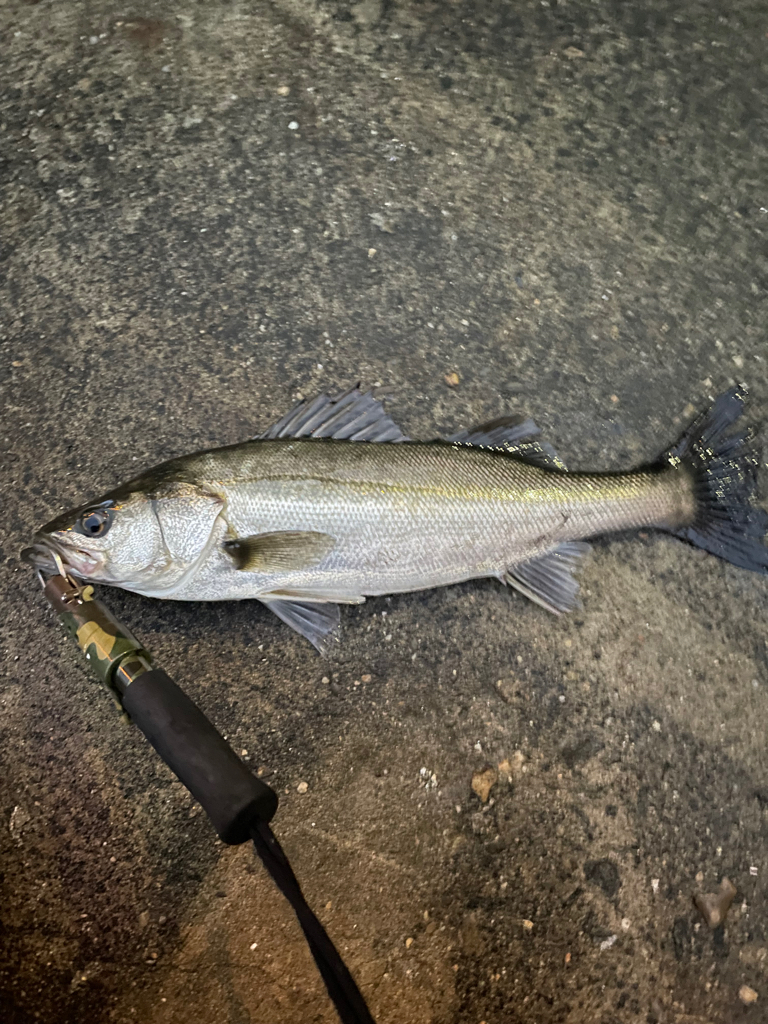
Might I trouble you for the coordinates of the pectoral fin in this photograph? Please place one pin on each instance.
(316, 622)
(312, 596)
(283, 551)
(548, 580)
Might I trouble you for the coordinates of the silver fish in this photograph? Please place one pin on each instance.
(334, 503)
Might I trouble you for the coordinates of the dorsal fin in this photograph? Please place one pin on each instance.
(515, 435)
(354, 416)
(494, 433)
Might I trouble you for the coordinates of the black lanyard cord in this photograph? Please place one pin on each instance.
(341, 986)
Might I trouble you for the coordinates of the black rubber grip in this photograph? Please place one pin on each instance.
(232, 797)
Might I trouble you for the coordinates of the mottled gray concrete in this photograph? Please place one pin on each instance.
(562, 203)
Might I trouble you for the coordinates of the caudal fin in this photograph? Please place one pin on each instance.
(724, 467)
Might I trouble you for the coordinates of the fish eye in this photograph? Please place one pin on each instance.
(95, 523)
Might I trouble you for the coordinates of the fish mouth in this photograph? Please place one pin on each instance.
(47, 555)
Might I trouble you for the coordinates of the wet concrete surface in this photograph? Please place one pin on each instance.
(211, 209)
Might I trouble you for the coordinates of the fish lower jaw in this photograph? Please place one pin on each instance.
(80, 563)
(50, 558)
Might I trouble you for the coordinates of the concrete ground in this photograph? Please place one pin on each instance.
(210, 209)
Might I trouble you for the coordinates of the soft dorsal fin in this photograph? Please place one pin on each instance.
(548, 580)
(494, 433)
(354, 416)
(515, 435)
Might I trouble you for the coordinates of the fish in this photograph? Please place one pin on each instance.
(334, 504)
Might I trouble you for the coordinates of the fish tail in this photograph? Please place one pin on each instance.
(723, 465)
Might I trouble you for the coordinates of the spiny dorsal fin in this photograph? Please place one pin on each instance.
(514, 435)
(281, 551)
(353, 416)
(548, 580)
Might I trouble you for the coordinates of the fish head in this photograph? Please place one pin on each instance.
(145, 540)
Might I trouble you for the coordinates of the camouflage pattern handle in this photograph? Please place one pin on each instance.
(231, 795)
(114, 653)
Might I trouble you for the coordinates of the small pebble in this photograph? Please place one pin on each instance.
(511, 770)
(714, 906)
(293, 125)
(408, 943)
(283, 90)
(452, 379)
(302, 787)
(528, 925)
(484, 781)
(747, 995)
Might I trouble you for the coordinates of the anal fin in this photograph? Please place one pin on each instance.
(548, 580)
